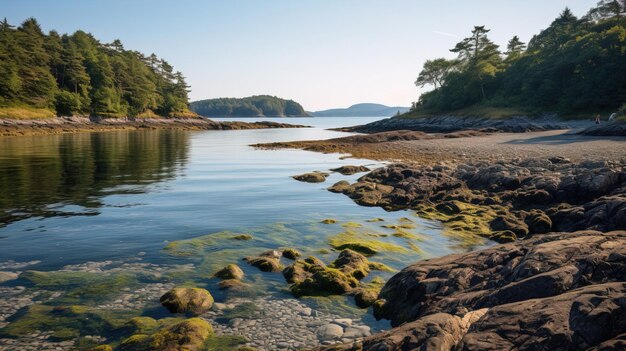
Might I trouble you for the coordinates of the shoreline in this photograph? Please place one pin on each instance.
(60, 125)
(556, 200)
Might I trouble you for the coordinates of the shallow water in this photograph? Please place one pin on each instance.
(123, 196)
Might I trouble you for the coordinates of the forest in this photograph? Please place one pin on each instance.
(68, 75)
(253, 106)
(575, 66)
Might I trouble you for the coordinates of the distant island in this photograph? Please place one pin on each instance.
(253, 106)
(362, 110)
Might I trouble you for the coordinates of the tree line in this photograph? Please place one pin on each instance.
(78, 75)
(253, 106)
(574, 65)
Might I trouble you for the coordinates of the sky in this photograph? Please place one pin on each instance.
(321, 53)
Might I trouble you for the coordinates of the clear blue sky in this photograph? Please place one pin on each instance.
(321, 53)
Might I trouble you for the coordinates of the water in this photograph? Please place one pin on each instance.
(123, 196)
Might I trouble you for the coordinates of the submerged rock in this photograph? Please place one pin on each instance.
(350, 170)
(232, 271)
(194, 301)
(313, 177)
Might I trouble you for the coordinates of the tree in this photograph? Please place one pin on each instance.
(435, 72)
(476, 47)
(608, 9)
(515, 47)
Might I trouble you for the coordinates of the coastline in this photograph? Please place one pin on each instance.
(59, 125)
(555, 199)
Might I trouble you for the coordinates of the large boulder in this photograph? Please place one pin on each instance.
(538, 267)
(194, 301)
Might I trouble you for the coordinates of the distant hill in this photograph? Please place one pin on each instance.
(253, 106)
(362, 110)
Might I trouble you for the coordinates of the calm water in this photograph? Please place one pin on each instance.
(74, 198)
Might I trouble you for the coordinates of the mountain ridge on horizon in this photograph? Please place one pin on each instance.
(365, 109)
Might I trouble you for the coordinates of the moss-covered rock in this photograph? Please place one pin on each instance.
(329, 221)
(291, 254)
(352, 263)
(232, 271)
(264, 263)
(329, 281)
(366, 294)
(189, 335)
(194, 301)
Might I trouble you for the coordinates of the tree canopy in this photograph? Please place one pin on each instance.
(78, 75)
(574, 65)
(254, 106)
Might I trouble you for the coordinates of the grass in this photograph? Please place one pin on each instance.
(26, 113)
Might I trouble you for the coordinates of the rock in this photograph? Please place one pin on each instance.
(194, 301)
(264, 263)
(6, 276)
(329, 221)
(188, 335)
(576, 320)
(439, 331)
(243, 237)
(102, 348)
(350, 170)
(313, 177)
(234, 285)
(365, 298)
(329, 332)
(352, 263)
(291, 254)
(343, 322)
(232, 271)
(340, 187)
(538, 267)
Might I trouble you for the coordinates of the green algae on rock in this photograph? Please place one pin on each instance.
(367, 294)
(232, 271)
(194, 301)
(329, 221)
(362, 243)
(196, 246)
(81, 286)
(66, 322)
(291, 254)
(189, 335)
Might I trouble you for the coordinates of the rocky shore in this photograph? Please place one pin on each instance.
(17, 127)
(555, 200)
(448, 124)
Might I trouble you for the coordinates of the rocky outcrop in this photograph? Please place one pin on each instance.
(502, 201)
(194, 301)
(447, 124)
(554, 291)
(616, 128)
(350, 170)
(312, 177)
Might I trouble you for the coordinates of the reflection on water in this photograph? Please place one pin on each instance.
(41, 176)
